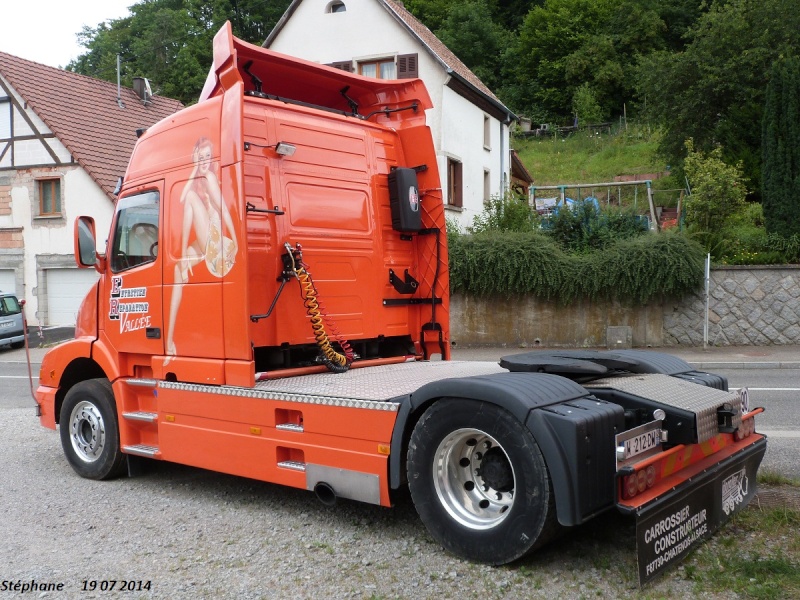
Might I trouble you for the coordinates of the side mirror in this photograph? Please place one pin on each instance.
(85, 244)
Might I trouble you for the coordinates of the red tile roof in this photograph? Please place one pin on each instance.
(436, 47)
(83, 113)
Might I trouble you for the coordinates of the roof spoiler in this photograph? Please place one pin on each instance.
(270, 74)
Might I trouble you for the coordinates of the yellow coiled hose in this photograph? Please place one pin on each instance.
(338, 362)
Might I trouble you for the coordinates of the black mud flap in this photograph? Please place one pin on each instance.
(671, 526)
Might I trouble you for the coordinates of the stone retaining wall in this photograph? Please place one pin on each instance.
(748, 306)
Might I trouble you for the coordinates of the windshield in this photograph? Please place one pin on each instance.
(9, 306)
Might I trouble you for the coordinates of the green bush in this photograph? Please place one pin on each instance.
(789, 247)
(631, 271)
(718, 189)
(745, 241)
(584, 227)
(506, 213)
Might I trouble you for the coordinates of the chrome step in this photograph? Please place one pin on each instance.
(290, 427)
(142, 450)
(141, 382)
(293, 465)
(140, 415)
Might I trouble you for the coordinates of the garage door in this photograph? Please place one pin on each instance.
(8, 282)
(66, 289)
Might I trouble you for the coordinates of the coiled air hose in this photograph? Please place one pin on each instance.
(337, 362)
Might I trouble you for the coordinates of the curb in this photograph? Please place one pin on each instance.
(710, 366)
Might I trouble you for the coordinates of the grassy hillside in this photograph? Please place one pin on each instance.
(589, 158)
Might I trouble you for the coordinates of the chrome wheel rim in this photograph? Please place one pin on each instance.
(474, 479)
(87, 431)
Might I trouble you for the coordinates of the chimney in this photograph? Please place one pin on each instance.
(141, 87)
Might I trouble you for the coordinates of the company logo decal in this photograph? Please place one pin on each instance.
(131, 315)
(413, 198)
(734, 491)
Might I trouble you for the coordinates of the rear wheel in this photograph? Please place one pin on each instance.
(89, 430)
(479, 482)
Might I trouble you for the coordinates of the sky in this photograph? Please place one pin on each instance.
(45, 30)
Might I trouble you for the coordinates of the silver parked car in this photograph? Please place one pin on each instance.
(11, 323)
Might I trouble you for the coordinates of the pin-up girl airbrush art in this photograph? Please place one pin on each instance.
(202, 239)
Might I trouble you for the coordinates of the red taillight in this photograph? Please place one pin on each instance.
(641, 481)
(630, 486)
(651, 476)
(638, 482)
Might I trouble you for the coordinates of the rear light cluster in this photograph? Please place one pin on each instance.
(638, 482)
(746, 429)
(672, 461)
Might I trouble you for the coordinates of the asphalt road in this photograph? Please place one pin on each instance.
(777, 390)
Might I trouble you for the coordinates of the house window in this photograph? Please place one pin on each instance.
(49, 193)
(487, 132)
(381, 69)
(407, 66)
(454, 186)
(344, 65)
(336, 7)
(487, 186)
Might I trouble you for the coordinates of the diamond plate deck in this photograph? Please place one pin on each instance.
(369, 387)
(701, 400)
(378, 383)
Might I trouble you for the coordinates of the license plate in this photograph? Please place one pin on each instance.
(6, 324)
(642, 443)
(639, 440)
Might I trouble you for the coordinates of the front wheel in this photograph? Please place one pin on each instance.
(89, 430)
(479, 482)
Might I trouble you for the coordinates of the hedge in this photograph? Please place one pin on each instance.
(633, 271)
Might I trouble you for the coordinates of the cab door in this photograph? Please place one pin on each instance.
(133, 311)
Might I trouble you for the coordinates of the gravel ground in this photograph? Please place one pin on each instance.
(197, 534)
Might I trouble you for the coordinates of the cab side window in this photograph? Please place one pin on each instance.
(136, 232)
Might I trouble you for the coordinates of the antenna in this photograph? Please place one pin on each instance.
(119, 88)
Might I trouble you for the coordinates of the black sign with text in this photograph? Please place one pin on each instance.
(670, 527)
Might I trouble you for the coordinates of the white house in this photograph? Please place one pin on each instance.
(65, 139)
(380, 38)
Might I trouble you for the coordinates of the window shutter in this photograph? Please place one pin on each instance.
(407, 66)
(344, 65)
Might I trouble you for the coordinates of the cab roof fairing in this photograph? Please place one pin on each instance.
(304, 81)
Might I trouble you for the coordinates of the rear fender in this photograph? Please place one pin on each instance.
(518, 393)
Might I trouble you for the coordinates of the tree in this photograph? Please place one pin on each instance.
(170, 41)
(713, 91)
(585, 105)
(564, 44)
(431, 12)
(469, 31)
(781, 149)
(718, 189)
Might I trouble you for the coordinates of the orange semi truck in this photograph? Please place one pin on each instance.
(273, 287)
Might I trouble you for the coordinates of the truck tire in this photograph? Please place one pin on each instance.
(89, 430)
(479, 482)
